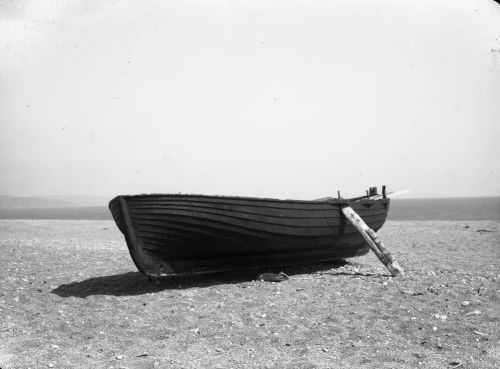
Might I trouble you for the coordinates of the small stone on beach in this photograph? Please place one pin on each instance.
(442, 317)
(474, 312)
(465, 303)
(119, 357)
(273, 277)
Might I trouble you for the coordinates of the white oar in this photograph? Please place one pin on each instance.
(391, 194)
(372, 239)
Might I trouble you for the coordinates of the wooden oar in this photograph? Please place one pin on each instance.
(390, 194)
(372, 239)
(369, 197)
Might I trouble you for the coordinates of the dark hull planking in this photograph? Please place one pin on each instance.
(178, 234)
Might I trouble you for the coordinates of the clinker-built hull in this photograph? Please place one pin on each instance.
(179, 234)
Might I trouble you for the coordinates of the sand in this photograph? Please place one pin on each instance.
(70, 297)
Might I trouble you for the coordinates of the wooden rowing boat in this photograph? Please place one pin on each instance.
(178, 234)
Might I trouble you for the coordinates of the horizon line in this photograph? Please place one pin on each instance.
(181, 193)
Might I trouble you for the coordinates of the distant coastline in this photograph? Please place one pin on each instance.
(466, 208)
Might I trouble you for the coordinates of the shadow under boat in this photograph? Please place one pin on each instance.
(136, 283)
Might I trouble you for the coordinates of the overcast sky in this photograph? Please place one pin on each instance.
(287, 99)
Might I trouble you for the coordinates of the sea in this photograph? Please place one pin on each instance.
(463, 208)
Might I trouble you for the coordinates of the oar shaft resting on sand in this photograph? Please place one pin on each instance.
(372, 239)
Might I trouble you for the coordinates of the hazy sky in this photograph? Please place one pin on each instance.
(288, 99)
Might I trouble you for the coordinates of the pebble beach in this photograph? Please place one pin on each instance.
(70, 297)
